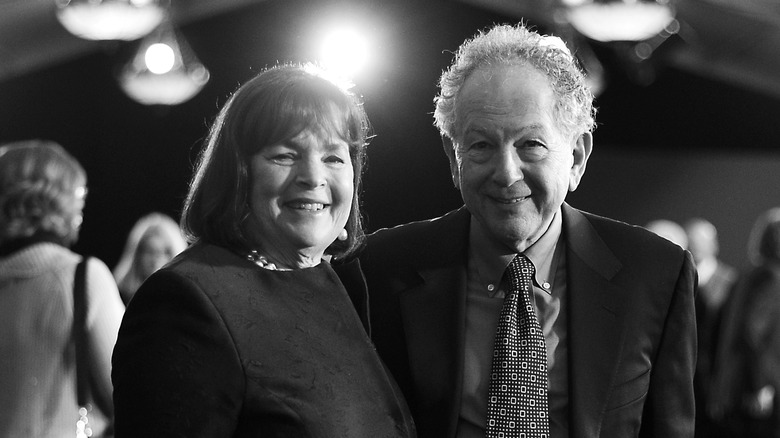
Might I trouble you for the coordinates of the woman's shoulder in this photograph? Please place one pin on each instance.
(36, 259)
(202, 266)
(199, 254)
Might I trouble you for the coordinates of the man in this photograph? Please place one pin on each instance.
(614, 302)
(744, 396)
(716, 280)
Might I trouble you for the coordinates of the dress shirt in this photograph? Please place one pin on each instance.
(485, 296)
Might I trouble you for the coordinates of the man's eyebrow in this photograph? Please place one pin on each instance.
(534, 127)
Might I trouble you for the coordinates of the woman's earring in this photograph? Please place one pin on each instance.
(343, 234)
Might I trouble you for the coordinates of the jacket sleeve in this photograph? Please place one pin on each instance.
(176, 372)
(669, 411)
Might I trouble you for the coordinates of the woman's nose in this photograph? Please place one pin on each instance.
(311, 173)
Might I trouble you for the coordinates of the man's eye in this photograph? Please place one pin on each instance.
(532, 150)
(479, 151)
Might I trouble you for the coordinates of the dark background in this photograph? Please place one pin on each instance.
(678, 147)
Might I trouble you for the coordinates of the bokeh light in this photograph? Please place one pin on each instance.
(344, 52)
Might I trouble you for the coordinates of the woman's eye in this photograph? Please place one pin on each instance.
(335, 159)
(285, 158)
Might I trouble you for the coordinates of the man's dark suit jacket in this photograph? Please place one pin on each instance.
(631, 323)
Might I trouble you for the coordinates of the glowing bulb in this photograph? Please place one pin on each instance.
(159, 58)
(344, 52)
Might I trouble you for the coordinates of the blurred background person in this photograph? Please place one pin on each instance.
(153, 241)
(250, 331)
(42, 195)
(747, 367)
(715, 282)
(669, 230)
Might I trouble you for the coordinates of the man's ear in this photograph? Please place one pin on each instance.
(449, 149)
(583, 146)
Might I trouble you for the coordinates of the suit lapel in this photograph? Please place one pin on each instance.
(434, 312)
(595, 321)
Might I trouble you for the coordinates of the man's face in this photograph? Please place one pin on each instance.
(513, 163)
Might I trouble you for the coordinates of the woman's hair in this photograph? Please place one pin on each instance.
(151, 226)
(42, 189)
(272, 108)
(764, 239)
(517, 45)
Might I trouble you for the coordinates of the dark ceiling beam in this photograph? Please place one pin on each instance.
(31, 38)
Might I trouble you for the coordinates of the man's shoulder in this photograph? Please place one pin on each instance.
(625, 240)
(445, 225)
(441, 237)
(615, 229)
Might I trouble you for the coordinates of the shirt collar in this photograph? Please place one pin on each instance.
(491, 260)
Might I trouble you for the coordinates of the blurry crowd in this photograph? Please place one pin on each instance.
(43, 190)
(738, 325)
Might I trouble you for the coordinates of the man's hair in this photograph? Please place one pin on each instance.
(40, 186)
(505, 45)
(273, 107)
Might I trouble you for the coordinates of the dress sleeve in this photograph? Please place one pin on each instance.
(176, 372)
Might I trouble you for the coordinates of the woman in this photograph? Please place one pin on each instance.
(42, 193)
(250, 332)
(153, 241)
(746, 376)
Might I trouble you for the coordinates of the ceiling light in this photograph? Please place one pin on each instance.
(164, 70)
(110, 19)
(619, 20)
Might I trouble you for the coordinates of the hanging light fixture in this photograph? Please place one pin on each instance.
(111, 19)
(164, 70)
(619, 20)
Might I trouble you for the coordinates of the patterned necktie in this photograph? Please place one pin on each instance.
(517, 395)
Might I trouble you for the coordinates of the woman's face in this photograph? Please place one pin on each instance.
(154, 252)
(300, 195)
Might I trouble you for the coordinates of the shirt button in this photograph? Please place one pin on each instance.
(491, 287)
(546, 285)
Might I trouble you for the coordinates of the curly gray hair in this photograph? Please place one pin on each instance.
(42, 189)
(508, 45)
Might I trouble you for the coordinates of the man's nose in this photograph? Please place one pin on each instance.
(508, 167)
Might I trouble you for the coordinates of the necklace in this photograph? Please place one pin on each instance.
(262, 261)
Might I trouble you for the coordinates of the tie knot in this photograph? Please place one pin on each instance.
(521, 267)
